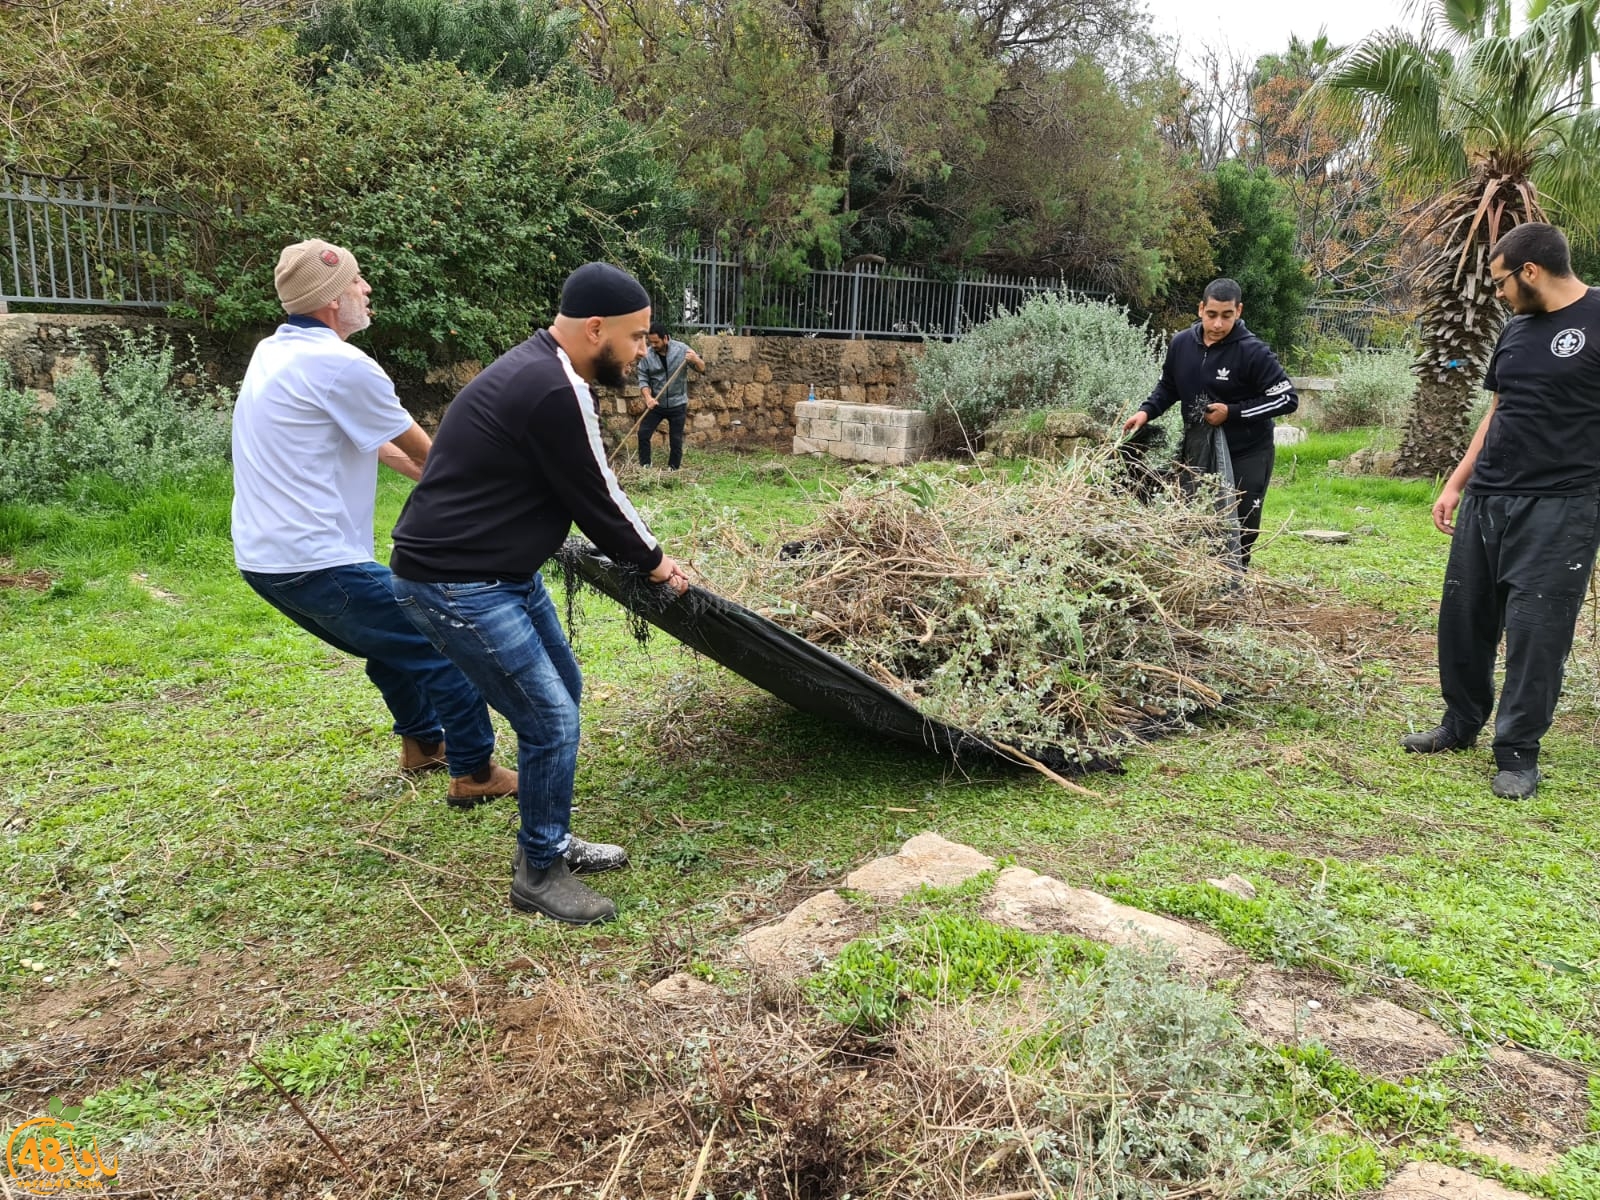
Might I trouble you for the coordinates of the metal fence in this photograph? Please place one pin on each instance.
(71, 244)
(864, 300)
(1363, 326)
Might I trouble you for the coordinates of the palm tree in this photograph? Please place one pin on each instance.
(1494, 132)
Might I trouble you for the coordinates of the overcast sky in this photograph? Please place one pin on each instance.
(1263, 26)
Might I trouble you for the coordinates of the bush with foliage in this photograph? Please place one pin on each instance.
(511, 42)
(466, 205)
(1255, 246)
(1056, 352)
(1373, 389)
(136, 422)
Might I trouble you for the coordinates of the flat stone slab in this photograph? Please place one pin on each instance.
(1373, 1035)
(1027, 900)
(927, 860)
(815, 930)
(1433, 1181)
(1327, 537)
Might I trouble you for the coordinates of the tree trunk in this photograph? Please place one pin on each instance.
(1461, 321)
(1436, 433)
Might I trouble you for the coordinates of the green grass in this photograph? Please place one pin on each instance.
(183, 771)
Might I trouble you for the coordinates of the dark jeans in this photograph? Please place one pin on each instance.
(1252, 472)
(353, 609)
(675, 417)
(1518, 565)
(506, 638)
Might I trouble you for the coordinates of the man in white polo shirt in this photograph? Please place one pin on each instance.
(315, 417)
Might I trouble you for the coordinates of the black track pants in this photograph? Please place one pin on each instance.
(675, 418)
(1519, 565)
(1252, 471)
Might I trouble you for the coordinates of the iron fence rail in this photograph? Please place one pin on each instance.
(1363, 326)
(864, 300)
(69, 243)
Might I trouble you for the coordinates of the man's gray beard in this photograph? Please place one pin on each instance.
(361, 322)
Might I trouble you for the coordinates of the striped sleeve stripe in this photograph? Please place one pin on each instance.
(591, 426)
(1270, 407)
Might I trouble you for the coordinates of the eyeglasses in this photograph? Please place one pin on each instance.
(1500, 281)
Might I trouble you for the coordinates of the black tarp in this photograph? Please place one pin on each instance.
(768, 655)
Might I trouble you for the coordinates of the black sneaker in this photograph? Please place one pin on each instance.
(1436, 740)
(557, 893)
(591, 858)
(1516, 785)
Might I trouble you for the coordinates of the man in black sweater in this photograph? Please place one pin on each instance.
(1222, 374)
(517, 460)
(1522, 510)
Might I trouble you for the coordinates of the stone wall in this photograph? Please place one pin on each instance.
(39, 350)
(746, 397)
(748, 394)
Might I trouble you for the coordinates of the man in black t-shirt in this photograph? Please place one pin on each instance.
(1524, 533)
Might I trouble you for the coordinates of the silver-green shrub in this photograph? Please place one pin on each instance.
(135, 422)
(1055, 352)
(1373, 389)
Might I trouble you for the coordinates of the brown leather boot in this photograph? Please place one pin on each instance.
(420, 756)
(487, 783)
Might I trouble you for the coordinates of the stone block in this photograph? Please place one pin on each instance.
(826, 431)
(853, 431)
(851, 393)
(805, 445)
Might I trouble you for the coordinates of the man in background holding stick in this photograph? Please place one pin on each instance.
(666, 392)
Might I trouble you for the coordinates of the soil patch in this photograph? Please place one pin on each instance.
(1533, 1109)
(35, 580)
(82, 1036)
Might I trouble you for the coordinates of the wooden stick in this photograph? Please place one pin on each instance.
(700, 1167)
(304, 1115)
(393, 853)
(1038, 766)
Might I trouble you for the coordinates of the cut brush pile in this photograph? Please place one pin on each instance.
(1056, 613)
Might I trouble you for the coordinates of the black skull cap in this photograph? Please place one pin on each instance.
(598, 289)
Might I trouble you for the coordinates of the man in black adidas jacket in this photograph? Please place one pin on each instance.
(1221, 373)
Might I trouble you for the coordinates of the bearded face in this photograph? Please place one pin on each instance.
(353, 314)
(608, 368)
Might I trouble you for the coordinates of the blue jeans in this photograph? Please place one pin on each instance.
(353, 609)
(506, 638)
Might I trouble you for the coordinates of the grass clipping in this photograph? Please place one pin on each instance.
(1055, 611)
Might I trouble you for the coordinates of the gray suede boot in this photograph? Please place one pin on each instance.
(557, 893)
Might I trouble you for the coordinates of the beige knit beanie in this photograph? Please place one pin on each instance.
(311, 274)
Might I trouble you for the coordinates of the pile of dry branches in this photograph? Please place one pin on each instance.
(1058, 612)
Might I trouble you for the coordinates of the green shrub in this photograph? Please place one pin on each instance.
(134, 423)
(1055, 352)
(1373, 389)
(466, 204)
